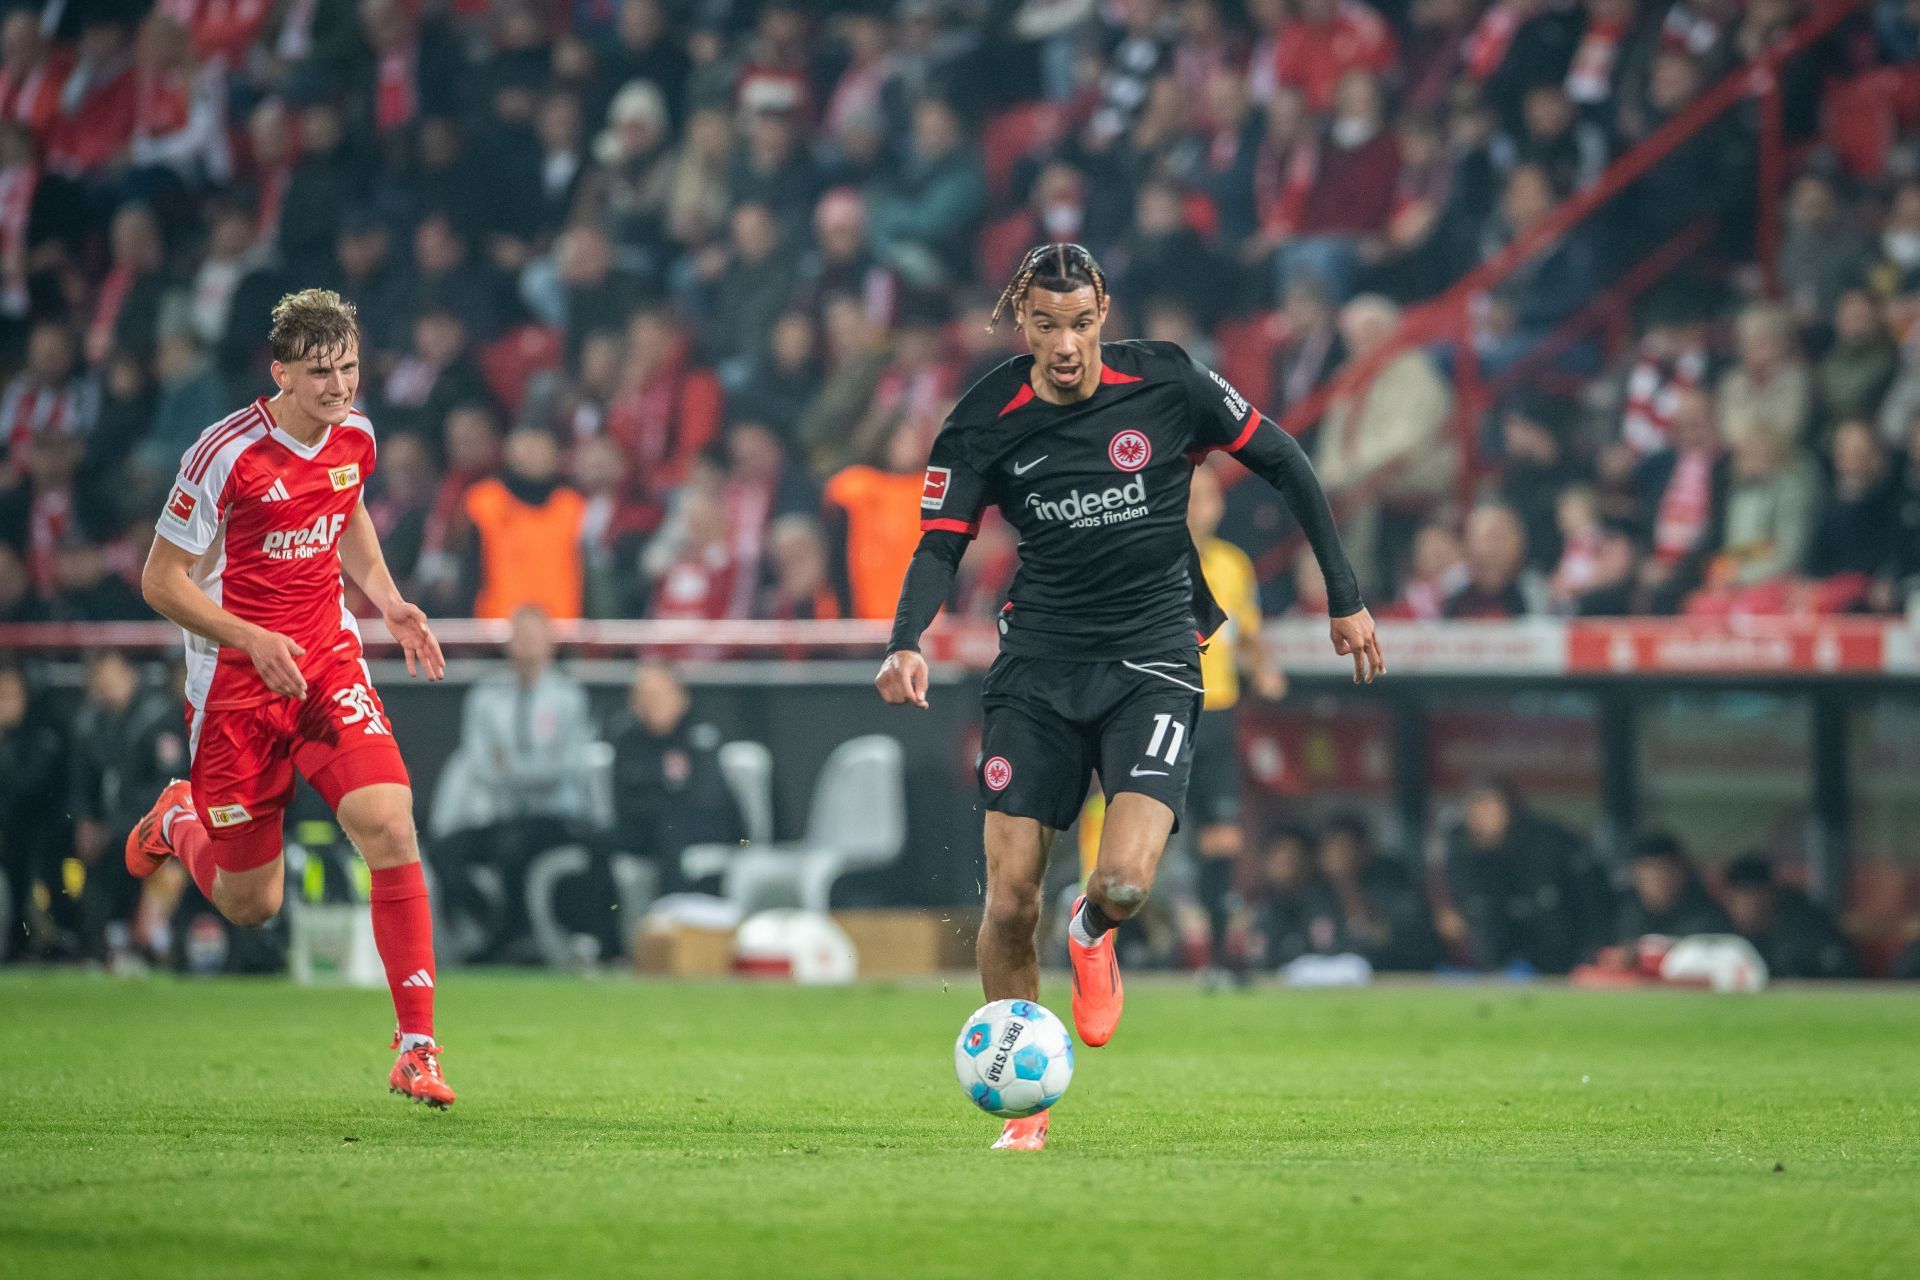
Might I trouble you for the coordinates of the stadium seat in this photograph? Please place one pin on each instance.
(856, 822)
(510, 360)
(1012, 134)
(748, 769)
(1247, 345)
(998, 250)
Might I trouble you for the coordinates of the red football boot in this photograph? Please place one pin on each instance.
(1029, 1134)
(1097, 996)
(147, 843)
(417, 1076)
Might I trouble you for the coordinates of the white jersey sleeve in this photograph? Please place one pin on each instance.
(196, 505)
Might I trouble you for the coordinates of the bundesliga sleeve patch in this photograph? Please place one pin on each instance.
(933, 494)
(180, 505)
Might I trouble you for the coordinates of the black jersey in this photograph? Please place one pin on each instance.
(1097, 491)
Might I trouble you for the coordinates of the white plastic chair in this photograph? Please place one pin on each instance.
(857, 821)
(748, 770)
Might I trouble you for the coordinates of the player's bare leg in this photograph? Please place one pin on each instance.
(1131, 842)
(1009, 959)
(378, 818)
(172, 829)
(1016, 868)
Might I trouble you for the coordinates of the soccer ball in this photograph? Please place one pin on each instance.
(1013, 1058)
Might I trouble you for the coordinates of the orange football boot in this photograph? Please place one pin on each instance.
(147, 843)
(1097, 996)
(1029, 1134)
(417, 1076)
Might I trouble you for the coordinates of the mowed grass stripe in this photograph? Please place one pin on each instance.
(625, 1128)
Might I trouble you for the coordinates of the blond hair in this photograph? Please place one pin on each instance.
(310, 323)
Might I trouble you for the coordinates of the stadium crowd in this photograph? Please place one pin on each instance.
(1516, 892)
(663, 301)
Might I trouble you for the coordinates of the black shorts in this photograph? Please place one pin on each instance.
(1050, 724)
(1213, 796)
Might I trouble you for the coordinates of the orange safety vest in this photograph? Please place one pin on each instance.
(883, 527)
(528, 555)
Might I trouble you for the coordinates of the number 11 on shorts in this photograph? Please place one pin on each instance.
(1161, 724)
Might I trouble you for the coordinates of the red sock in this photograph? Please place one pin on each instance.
(403, 931)
(194, 847)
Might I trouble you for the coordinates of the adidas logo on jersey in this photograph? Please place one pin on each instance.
(1089, 509)
(276, 494)
(301, 544)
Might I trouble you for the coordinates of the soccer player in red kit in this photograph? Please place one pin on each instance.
(265, 513)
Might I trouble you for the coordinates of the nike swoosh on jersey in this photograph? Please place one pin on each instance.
(1021, 468)
(1138, 772)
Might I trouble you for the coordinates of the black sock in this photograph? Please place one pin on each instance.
(1216, 890)
(1096, 921)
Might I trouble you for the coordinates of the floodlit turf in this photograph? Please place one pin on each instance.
(243, 1129)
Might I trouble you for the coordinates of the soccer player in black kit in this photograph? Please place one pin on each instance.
(1088, 449)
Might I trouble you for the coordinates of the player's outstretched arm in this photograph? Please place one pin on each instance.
(167, 585)
(904, 676)
(1277, 458)
(361, 557)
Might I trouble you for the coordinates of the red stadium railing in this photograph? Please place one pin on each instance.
(1524, 649)
(1450, 318)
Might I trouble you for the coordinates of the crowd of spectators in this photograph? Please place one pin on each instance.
(663, 301)
(1518, 893)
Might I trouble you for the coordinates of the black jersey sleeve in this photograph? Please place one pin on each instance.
(951, 500)
(1224, 420)
(954, 493)
(929, 579)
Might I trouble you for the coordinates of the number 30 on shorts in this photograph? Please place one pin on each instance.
(1169, 731)
(356, 705)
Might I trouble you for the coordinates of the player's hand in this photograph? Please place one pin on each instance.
(1354, 635)
(903, 678)
(409, 626)
(274, 657)
(1270, 683)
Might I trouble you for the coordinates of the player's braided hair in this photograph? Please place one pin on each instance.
(312, 322)
(1057, 268)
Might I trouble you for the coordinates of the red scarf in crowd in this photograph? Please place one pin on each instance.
(162, 102)
(396, 100)
(1685, 507)
(33, 96)
(1653, 389)
(1590, 77)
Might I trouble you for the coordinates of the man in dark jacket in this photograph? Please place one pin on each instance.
(31, 753)
(1795, 938)
(668, 791)
(127, 744)
(1382, 908)
(1296, 914)
(1665, 897)
(1521, 886)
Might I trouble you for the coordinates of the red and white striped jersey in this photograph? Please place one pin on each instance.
(265, 513)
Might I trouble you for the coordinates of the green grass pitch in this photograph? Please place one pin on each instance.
(243, 1129)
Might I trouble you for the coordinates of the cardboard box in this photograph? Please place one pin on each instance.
(893, 944)
(681, 951)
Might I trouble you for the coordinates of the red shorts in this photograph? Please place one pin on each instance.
(244, 758)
